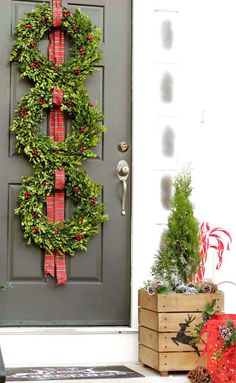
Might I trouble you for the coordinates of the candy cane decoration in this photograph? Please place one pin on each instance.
(216, 238)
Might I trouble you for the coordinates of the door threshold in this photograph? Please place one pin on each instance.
(66, 330)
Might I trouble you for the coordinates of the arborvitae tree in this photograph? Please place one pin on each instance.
(178, 258)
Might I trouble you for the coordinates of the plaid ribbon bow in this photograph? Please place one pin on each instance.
(54, 263)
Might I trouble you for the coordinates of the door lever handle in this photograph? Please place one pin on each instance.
(122, 171)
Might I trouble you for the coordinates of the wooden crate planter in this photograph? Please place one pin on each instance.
(163, 322)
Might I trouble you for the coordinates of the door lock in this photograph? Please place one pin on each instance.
(123, 146)
(122, 171)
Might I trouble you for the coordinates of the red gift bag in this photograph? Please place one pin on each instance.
(221, 367)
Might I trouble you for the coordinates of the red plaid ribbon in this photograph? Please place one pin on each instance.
(56, 46)
(56, 117)
(60, 179)
(57, 12)
(54, 264)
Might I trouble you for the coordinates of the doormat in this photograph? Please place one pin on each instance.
(67, 373)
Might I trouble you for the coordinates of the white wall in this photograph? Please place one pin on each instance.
(202, 63)
(209, 78)
(151, 115)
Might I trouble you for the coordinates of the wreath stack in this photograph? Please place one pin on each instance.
(47, 155)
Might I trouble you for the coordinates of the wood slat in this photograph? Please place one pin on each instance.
(148, 318)
(162, 342)
(179, 361)
(170, 321)
(170, 361)
(147, 301)
(178, 302)
(187, 302)
(149, 357)
(167, 344)
(166, 322)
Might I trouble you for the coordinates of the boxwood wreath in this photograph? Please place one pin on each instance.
(45, 154)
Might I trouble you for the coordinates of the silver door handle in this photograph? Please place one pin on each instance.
(122, 171)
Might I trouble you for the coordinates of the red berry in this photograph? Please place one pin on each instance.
(23, 112)
(66, 13)
(77, 71)
(42, 101)
(79, 237)
(33, 44)
(93, 201)
(82, 149)
(27, 195)
(82, 52)
(90, 104)
(35, 152)
(44, 20)
(28, 25)
(90, 37)
(69, 102)
(34, 65)
(75, 189)
(34, 213)
(82, 129)
(75, 27)
(35, 230)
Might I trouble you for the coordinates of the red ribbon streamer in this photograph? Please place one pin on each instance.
(54, 264)
(57, 12)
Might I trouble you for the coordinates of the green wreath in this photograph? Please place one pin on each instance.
(84, 50)
(45, 154)
(76, 232)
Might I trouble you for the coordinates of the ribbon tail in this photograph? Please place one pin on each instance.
(61, 275)
(49, 261)
(60, 260)
(49, 265)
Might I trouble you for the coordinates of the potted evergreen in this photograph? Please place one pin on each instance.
(178, 259)
(171, 304)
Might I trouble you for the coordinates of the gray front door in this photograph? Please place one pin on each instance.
(98, 289)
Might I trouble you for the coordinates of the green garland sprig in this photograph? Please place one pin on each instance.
(228, 334)
(45, 154)
(207, 314)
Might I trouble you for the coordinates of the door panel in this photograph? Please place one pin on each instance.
(98, 288)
